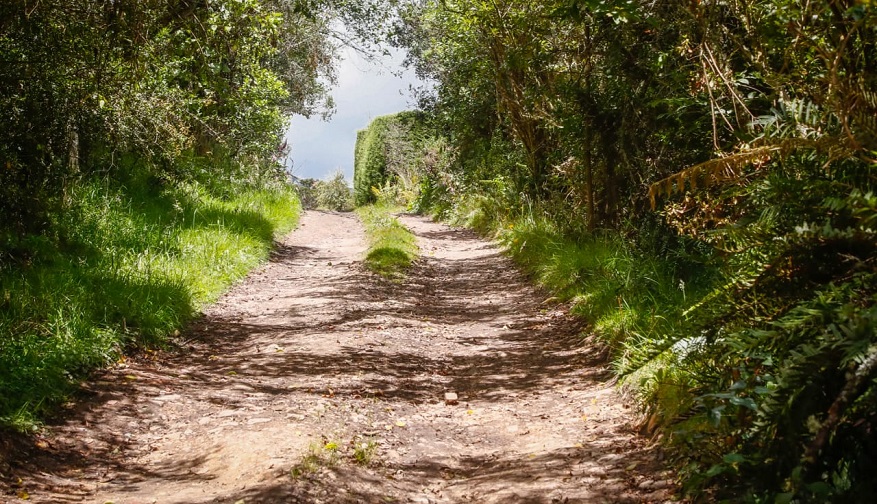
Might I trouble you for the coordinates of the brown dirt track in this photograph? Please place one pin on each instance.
(313, 350)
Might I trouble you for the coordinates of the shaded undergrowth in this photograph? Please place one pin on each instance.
(121, 265)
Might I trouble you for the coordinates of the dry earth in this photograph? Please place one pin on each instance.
(313, 361)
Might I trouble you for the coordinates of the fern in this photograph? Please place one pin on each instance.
(758, 155)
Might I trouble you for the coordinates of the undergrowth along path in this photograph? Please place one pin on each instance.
(318, 381)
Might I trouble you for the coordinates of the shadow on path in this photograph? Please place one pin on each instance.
(334, 333)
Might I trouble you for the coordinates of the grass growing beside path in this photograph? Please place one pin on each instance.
(392, 248)
(122, 266)
(633, 299)
(613, 287)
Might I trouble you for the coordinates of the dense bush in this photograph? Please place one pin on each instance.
(83, 84)
(388, 150)
(370, 162)
(334, 193)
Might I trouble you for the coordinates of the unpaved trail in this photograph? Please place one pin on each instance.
(314, 351)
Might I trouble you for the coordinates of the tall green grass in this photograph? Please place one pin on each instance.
(121, 266)
(618, 290)
(392, 247)
(634, 300)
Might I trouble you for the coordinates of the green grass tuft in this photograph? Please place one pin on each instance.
(392, 248)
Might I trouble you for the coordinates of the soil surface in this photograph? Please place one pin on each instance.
(316, 381)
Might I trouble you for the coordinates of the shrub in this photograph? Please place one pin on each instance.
(334, 194)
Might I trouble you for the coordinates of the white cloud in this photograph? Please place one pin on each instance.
(365, 90)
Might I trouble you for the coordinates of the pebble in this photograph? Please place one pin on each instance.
(168, 398)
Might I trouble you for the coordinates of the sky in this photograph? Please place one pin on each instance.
(364, 91)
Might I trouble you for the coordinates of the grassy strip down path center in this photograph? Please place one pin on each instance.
(392, 247)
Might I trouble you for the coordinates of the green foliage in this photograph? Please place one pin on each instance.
(783, 370)
(124, 265)
(334, 194)
(392, 247)
(369, 164)
(740, 312)
(387, 151)
(85, 85)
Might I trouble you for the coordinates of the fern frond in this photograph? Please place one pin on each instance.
(863, 111)
(730, 168)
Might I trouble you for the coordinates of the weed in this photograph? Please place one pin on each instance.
(364, 451)
(320, 454)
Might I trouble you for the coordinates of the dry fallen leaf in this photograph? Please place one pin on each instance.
(400, 423)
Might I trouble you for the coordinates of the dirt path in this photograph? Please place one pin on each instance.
(314, 361)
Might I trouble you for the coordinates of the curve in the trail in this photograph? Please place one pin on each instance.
(456, 385)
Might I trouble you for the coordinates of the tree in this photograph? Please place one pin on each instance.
(84, 83)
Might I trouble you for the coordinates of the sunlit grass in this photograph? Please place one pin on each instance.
(121, 267)
(392, 247)
(627, 295)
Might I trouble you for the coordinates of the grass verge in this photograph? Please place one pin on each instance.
(634, 300)
(122, 266)
(392, 248)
